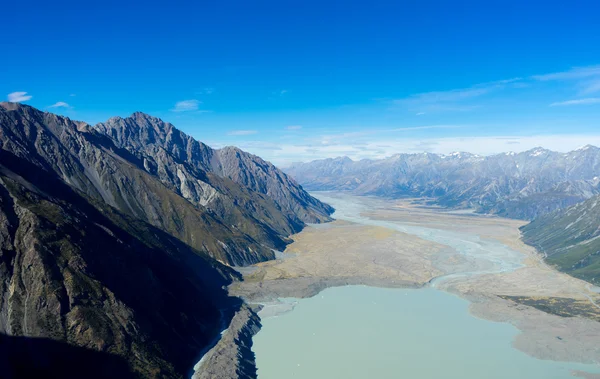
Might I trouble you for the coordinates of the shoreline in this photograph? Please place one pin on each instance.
(344, 253)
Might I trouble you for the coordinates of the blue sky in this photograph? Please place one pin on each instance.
(299, 80)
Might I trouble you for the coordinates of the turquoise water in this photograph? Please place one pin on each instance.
(365, 332)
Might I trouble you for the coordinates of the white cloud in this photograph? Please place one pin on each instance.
(586, 101)
(186, 106)
(420, 113)
(17, 97)
(425, 127)
(590, 86)
(72, 95)
(447, 96)
(586, 78)
(293, 127)
(206, 91)
(574, 73)
(241, 132)
(455, 99)
(60, 104)
(285, 154)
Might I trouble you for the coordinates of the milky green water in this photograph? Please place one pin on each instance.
(365, 332)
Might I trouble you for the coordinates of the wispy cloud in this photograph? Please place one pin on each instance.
(206, 91)
(72, 95)
(452, 100)
(587, 79)
(17, 97)
(60, 104)
(574, 73)
(186, 106)
(425, 127)
(586, 101)
(241, 132)
(591, 86)
(293, 127)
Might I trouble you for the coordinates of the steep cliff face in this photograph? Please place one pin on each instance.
(165, 149)
(76, 270)
(261, 176)
(110, 244)
(232, 223)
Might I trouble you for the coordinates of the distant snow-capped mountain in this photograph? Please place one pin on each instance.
(519, 185)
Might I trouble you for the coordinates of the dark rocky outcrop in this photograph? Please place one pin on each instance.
(76, 270)
(117, 253)
(25, 357)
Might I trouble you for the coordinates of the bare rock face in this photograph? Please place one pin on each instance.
(168, 188)
(115, 243)
(261, 176)
(110, 290)
(165, 146)
(232, 356)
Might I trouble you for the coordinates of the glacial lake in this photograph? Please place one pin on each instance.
(366, 332)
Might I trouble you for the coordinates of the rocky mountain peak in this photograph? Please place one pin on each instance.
(537, 151)
(8, 106)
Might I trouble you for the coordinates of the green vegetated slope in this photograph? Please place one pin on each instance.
(570, 239)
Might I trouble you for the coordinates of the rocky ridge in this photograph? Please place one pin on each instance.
(110, 251)
(517, 185)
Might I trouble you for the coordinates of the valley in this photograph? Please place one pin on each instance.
(95, 216)
(400, 244)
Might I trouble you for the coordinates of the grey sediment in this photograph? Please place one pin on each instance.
(232, 356)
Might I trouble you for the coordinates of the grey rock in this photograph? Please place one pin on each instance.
(77, 271)
(232, 356)
(111, 243)
(231, 222)
(524, 185)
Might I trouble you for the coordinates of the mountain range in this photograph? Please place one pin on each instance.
(116, 242)
(524, 185)
(558, 192)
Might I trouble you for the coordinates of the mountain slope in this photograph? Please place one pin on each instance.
(109, 253)
(74, 269)
(570, 239)
(524, 185)
(240, 227)
(163, 147)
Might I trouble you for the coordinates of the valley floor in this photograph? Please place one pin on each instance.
(399, 244)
